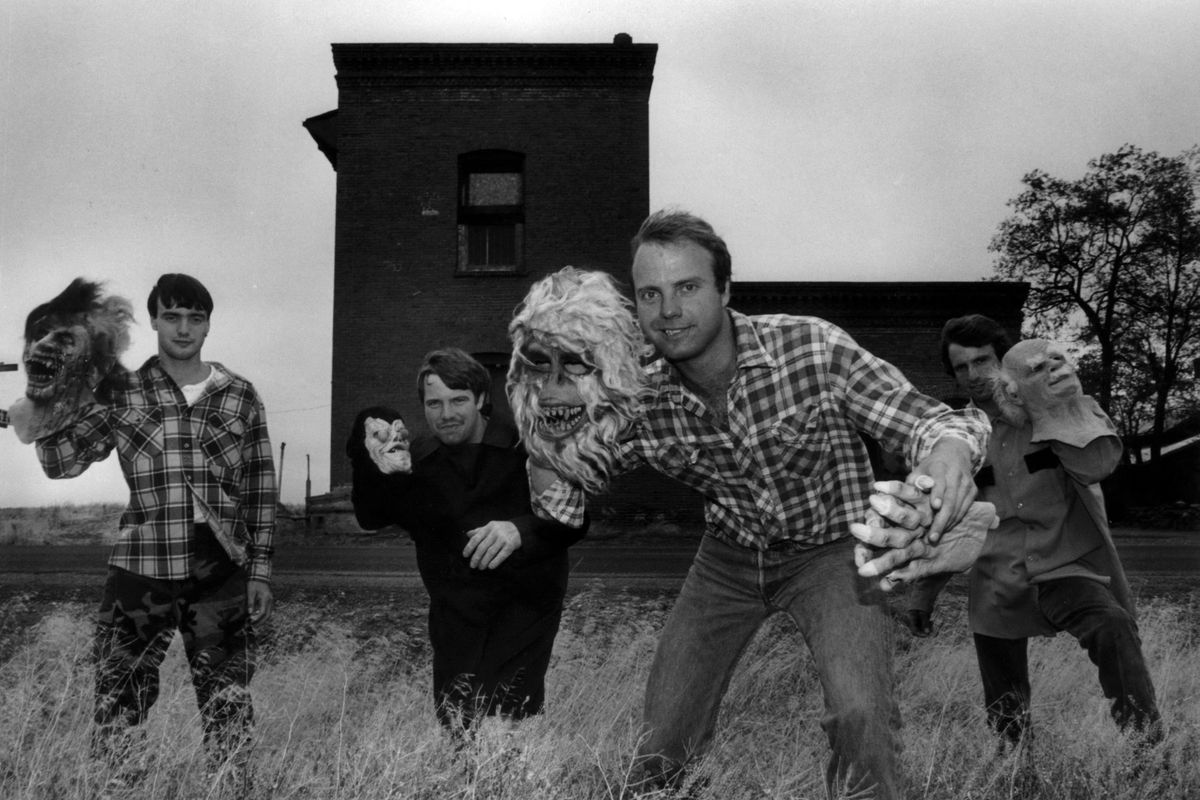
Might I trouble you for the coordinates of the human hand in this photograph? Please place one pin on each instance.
(904, 504)
(488, 546)
(950, 467)
(906, 557)
(387, 445)
(260, 601)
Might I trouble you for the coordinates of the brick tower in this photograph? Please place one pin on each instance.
(464, 173)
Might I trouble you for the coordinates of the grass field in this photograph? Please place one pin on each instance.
(343, 710)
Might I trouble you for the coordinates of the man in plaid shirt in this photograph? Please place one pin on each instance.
(762, 416)
(194, 548)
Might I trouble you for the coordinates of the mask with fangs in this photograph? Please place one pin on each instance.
(575, 382)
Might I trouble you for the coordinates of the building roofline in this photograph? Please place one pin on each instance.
(423, 62)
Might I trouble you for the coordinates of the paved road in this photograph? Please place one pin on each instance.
(1157, 553)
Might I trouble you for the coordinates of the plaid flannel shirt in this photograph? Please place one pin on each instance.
(210, 461)
(790, 465)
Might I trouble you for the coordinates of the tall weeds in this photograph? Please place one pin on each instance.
(343, 711)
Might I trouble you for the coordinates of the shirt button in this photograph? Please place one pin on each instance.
(187, 445)
(1020, 505)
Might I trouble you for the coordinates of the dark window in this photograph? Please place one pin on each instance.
(491, 211)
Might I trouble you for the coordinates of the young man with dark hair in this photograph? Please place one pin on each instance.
(496, 574)
(762, 416)
(194, 548)
(177, 290)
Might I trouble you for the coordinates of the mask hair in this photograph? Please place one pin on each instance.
(583, 312)
(1004, 393)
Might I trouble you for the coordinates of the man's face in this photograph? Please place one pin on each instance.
(975, 371)
(552, 374)
(679, 307)
(1044, 374)
(181, 331)
(57, 352)
(453, 415)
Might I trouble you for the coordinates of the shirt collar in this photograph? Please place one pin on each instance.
(218, 379)
(751, 354)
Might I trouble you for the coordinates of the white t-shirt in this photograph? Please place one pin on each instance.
(192, 391)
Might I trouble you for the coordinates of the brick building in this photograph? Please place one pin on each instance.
(464, 173)
(467, 171)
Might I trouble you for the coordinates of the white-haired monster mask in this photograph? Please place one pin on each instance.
(575, 381)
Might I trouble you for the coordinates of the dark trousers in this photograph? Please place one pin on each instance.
(1087, 610)
(137, 620)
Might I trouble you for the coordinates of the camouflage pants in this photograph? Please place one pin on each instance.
(137, 620)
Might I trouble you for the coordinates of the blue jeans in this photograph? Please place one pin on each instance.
(729, 592)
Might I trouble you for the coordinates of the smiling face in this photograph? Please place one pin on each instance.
(680, 309)
(575, 381)
(455, 416)
(181, 332)
(975, 371)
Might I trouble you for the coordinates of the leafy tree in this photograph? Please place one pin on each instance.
(1113, 261)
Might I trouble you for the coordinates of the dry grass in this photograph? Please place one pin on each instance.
(344, 711)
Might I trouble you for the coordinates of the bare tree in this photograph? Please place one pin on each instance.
(1113, 259)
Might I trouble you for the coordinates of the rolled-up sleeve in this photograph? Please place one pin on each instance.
(561, 502)
(68, 452)
(969, 425)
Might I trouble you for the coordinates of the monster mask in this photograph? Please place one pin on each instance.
(575, 381)
(1038, 384)
(73, 344)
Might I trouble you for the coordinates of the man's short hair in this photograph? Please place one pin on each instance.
(176, 290)
(669, 226)
(457, 369)
(973, 330)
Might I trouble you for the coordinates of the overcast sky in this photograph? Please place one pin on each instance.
(825, 141)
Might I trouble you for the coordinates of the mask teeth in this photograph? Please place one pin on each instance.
(561, 418)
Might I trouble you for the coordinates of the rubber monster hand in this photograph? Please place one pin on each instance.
(575, 381)
(73, 346)
(1037, 383)
(892, 544)
(387, 445)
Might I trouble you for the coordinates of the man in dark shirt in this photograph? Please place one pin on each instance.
(495, 573)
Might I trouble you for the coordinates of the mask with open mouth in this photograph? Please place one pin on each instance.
(73, 346)
(575, 382)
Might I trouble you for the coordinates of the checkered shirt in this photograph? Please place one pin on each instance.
(790, 466)
(211, 461)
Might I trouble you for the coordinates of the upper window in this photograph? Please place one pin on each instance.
(491, 211)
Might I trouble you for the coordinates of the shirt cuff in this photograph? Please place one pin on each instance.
(258, 564)
(969, 425)
(561, 502)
